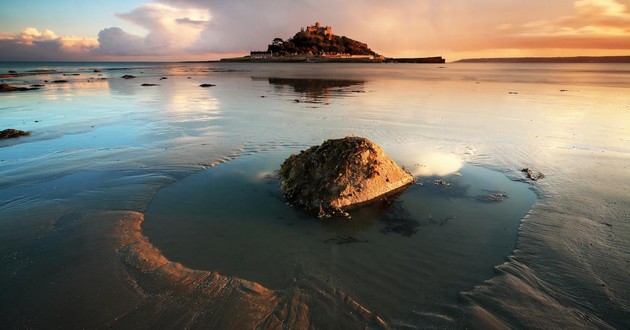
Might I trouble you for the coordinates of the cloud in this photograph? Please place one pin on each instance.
(171, 31)
(226, 27)
(30, 35)
(190, 21)
(32, 44)
(240, 26)
(595, 24)
(200, 29)
(115, 41)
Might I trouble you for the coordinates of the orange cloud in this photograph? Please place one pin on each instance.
(595, 24)
(30, 34)
(77, 44)
(31, 43)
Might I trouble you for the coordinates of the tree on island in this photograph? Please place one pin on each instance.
(317, 42)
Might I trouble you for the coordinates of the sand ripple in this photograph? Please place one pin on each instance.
(172, 294)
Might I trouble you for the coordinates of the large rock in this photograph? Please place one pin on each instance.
(339, 175)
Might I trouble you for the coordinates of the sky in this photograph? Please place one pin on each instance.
(177, 30)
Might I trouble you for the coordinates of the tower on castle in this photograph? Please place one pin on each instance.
(317, 28)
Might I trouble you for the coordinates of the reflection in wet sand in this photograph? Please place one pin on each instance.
(318, 90)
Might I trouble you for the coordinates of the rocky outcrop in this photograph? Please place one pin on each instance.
(11, 133)
(339, 175)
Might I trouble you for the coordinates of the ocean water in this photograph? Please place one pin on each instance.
(159, 206)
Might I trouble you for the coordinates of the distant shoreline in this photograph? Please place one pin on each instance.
(571, 59)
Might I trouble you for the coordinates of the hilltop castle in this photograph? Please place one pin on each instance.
(326, 31)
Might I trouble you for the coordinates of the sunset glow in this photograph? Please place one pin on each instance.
(204, 30)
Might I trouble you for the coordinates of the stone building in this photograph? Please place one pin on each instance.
(254, 54)
(317, 28)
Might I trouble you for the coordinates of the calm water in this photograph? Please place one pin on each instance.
(134, 206)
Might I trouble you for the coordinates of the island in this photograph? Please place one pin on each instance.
(317, 43)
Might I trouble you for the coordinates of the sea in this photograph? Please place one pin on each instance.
(141, 199)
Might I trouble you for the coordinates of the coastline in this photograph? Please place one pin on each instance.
(568, 59)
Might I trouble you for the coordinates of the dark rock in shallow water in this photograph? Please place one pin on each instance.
(207, 85)
(531, 174)
(11, 133)
(340, 240)
(493, 197)
(128, 76)
(9, 88)
(339, 175)
(59, 81)
(148, 85)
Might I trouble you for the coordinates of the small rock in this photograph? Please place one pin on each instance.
(147, 85)
(531, 174)
(59, 81)
(9, 88)
(207, 85)
(494, 197)
(340, 240)
(11, 133)
(128, 76)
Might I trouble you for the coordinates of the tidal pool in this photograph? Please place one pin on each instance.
(416, 252)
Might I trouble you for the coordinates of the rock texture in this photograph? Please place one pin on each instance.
(339, 175)
(531, 174)
(11, 133)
